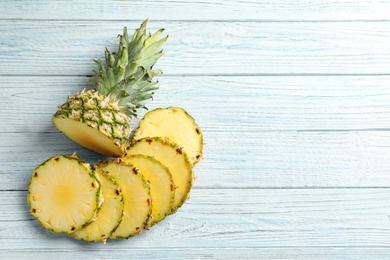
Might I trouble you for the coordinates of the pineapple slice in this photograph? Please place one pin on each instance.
(175, 124)
(110, 215)
(64, 194)
(161, 185)
(172, 156)
(136, 196)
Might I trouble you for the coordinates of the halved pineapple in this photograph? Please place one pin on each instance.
(175, 124)
(172, 156)
(136, 196)
(99, 119)
(64, 194)
(161, 185)
(110, 215)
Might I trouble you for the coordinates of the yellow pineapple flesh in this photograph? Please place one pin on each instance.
(110, 215)
(174, 158)
(161, 185)
(64, 194)
(136, 197)
(175, 124)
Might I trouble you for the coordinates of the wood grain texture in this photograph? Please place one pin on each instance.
(317, 131)
(202, 48)
(246, 160)
(230, 218)
(222, 104)
(280, 10)
(270, 253)
(292, 97)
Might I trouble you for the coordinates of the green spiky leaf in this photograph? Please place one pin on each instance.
(127, 76)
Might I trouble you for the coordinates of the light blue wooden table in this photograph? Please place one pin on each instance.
(293, 98)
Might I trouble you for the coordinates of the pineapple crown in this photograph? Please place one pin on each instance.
(127, 76)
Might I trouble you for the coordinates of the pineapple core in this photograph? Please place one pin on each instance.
(64, 197)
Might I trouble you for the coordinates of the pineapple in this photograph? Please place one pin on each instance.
(175, 124)
(64, 194)
(136, 196)
(99, 119)
(161, 185)
(110, 215)
(172, 156)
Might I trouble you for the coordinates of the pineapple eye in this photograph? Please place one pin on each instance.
(107, 116)
(92, 115)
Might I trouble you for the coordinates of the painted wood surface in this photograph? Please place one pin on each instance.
(276, 10)
(203, 47)
(235, 218)
(292, 97)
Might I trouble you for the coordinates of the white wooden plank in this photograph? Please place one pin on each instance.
(195, 10)
(230, 218)
(236, 160)
(199, 48)
(227, 104)
(308, 253)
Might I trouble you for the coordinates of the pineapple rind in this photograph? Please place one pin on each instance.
(182, 191)
(98, 194)
(111, 192)
(129, 202)
(155, 180)
(100, 113)
(165, 122)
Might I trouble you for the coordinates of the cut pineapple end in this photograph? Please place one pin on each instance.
(110, 214)
(64, 194)
(161, 185)
(136, 197)
(172, 156)
(87, 136)
(175, 124)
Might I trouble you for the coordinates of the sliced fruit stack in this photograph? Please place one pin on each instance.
(151, 175)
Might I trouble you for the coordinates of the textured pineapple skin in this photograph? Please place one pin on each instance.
(100, 113)
(98, 196)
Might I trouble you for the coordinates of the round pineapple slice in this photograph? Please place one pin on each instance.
(161, 185)
(110, 215)
(172, 156)
(64, 194)
(136, 197)
(175, 124)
